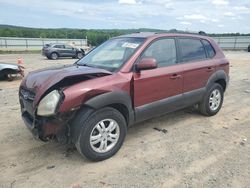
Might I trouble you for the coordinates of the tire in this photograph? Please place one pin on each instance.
(11, 77)
(91, 127)
(212, 101)
(54, 55)
(79, 55)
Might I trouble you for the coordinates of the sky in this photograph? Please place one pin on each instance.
(212, 16)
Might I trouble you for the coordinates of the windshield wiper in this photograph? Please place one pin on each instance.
(85, 64)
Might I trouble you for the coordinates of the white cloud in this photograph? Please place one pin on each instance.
(229, 14)
(237, 18)
(185, 23)
(241, 8)
(194, 17)
(169, 6)
(80, 11)
(214, 20)
(220, 2)
(127, 1)
(204, 19)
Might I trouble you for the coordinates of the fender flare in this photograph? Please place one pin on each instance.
(111, 98)
(218, 75)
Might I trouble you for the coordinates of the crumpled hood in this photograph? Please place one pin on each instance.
(41, 80)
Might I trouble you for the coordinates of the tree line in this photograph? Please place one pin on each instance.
(94, 36)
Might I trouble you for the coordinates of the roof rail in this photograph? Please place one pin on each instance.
(184, 32)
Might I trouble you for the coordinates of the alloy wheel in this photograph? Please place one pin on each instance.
(215, 100)
(104, 135)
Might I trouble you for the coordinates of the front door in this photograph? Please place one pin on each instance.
(158, 91)
(69, 51)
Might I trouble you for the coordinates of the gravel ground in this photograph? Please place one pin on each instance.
(196, 151)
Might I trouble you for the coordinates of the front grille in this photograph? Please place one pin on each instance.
(27, 95)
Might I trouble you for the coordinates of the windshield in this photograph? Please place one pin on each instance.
(112, 54)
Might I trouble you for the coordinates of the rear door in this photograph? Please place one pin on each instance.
(156, 91)
(59, 48)
(198, 66)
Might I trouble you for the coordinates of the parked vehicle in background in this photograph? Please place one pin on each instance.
(10, 71)
(125, 80)
(56, 50)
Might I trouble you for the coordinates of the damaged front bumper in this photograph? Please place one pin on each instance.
(44, 128)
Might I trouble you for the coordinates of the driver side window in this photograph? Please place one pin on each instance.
(163, 50)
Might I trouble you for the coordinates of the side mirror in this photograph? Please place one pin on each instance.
(146, 64)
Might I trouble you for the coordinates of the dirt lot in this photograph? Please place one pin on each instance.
(195, 152)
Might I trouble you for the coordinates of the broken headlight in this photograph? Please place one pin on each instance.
(48, 104)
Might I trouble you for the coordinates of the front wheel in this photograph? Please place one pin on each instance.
(79, 55)
(101, 134)
(212, 101)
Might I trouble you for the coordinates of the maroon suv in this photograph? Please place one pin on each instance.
(125, 80)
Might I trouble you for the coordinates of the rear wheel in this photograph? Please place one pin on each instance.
(212, 101)
(54, 56)
(101, 134)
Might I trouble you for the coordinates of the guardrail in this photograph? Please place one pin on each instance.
(15, 43)
(233, 43)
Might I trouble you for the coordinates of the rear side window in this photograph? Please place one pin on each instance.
(209, 49)
(163, 51)
(191, 49)
(59, 46)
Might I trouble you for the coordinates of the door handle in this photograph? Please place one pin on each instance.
(175, 76)
(210, 69)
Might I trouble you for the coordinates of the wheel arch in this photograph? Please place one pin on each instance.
(118, 100)
(219, 77)
(54, 52)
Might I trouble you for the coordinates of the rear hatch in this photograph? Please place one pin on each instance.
(45, 48)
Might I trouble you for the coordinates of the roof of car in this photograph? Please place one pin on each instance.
(57, 44)
(152, 34)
